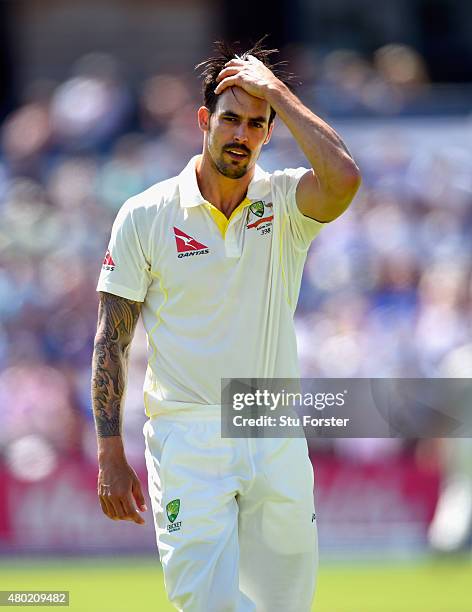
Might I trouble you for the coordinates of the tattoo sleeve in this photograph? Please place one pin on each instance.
(117, 318)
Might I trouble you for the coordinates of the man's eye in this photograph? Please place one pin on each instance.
(257, 124)
(230, 118)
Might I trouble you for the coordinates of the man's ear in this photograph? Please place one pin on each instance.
(203, 115)
(269, 133)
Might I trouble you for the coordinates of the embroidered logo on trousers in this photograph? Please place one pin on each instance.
(173, 509)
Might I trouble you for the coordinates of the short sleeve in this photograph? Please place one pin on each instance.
(126, 269)
(303, 229)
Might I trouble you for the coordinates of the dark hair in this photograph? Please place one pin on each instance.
(224, 52)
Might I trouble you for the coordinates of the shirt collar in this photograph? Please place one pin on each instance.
(190, 193)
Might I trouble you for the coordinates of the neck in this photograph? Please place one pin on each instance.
(223, 192)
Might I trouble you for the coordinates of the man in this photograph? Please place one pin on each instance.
(213, 259)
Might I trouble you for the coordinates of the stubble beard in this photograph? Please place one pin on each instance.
(229, 170)
(232, 170)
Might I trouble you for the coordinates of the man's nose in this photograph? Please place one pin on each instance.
(241, 133)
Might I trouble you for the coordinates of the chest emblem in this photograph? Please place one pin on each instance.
(257, 208)
(260, 215)
(187, 245)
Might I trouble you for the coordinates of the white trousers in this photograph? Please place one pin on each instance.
(235, 519)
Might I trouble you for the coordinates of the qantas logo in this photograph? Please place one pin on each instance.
(188, 246)
(108, 263)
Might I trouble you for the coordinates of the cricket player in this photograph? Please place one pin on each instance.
(212, 259)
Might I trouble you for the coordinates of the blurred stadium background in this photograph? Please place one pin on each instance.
(97, 102)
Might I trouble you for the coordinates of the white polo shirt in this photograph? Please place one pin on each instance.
(218, 295)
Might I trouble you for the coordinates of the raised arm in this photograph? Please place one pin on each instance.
(119, 489)
(324, 192)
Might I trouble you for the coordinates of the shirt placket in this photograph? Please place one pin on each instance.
(234, 236)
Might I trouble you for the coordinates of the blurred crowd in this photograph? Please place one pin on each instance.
(386, 290)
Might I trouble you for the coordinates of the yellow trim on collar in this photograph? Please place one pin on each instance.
(220, 219)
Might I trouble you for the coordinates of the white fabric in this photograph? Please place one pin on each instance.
(245, 535)
(224, 313)
(220, 304)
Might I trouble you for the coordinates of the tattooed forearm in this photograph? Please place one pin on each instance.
(117, 318)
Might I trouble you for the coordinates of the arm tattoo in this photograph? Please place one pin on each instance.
(117, 318)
